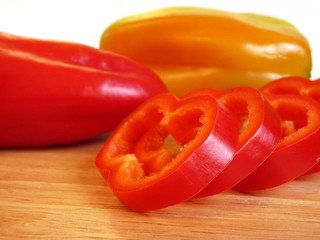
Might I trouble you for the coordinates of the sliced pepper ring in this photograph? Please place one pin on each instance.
(294, 85)
(314, 89)
(259, 134)
(297, 151)
(144, 175)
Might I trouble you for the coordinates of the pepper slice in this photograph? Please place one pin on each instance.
(145, 174)
(296, 86)
(292, 85)
(191, 48)
(259, 134)
(297, 151)
(55, 92)
(314, 89)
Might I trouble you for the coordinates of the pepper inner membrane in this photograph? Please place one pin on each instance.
(242, 109)
(292, 117)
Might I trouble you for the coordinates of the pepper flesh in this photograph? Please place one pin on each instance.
(260, 132)
(297, 151)
(55, 92)
(191, 48)
(294, 85)
(144, 175)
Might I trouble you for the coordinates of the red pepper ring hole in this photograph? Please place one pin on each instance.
(298, 149)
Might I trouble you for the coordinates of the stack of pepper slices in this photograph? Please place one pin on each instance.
(170, 142)
(241, 138)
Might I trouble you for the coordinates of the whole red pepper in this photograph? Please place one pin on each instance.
(145, 173)
(54, 92)
(297, 151)
(260, 132)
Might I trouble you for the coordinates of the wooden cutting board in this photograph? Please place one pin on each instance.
(57, 193)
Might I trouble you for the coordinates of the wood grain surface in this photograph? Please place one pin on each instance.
(57, 193)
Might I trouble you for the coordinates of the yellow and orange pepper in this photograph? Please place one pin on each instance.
(190, 48)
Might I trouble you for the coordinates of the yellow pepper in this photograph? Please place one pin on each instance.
(191, 48)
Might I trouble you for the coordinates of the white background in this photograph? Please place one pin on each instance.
(83, 21)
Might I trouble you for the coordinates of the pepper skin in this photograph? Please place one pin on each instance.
(54, 92)
(191, 48)
(297, 151)
(294, 85)
(145, 174)
(259, 135)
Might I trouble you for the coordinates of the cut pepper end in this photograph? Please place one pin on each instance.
(146, 149)
(299, 117)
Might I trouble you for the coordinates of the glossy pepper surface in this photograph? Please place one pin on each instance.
(145, 173)
(260, 132)
(192, 48)
(54, 92)
(297, 151)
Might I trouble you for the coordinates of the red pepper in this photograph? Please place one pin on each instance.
(298, 150)
(144, 174)
(314, 89)
(56, 92)
(296, 86)
(259, 135)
